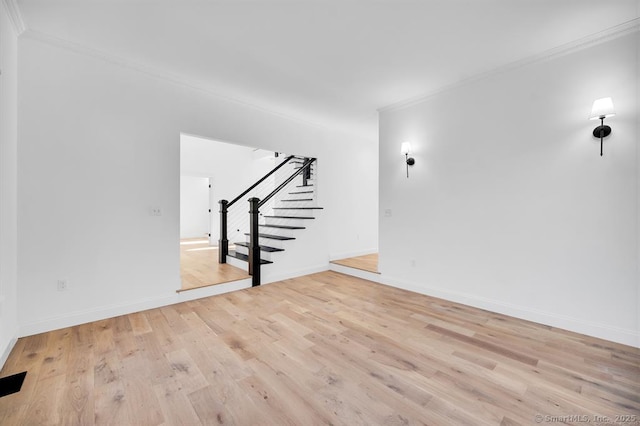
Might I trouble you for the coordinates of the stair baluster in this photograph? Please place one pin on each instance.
(254, 249)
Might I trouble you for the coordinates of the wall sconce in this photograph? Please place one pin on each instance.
(406, 150)
(601, 109)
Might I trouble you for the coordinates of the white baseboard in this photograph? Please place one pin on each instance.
(619, 335)
(81, 317)
(602, 331)
(89, 315)
(199, 293)
(366, 275)
(268, 279)
(347, 254)
(7, 350)
(97, 314)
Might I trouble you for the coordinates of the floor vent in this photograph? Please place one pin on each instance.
(11, 384)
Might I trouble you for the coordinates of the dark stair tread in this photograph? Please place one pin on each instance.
(262, 248)
(274, 237)
(244, 257)
(302, 186)
(302, 192)
(290, 217)
(300, 199)
(298, 208)
(283, 226)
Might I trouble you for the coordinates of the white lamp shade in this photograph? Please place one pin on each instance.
(405, 148)
(602, 108)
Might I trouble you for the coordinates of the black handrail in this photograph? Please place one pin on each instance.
(254, 214)
(286, 160)
(223, 242)
(306, 165)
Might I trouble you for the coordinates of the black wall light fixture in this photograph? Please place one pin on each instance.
(406, 150)
(601, 109)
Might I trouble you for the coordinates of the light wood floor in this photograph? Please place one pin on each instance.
(199, 265)
(321, 349)
(368, 262)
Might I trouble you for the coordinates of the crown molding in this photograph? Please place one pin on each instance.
(557, 52)
(15, 16)
(156, 73)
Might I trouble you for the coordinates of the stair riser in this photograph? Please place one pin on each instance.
(280, 231)
(297, 197)
(289, 222)
(290, 204)
(237, 263)
(292, 212)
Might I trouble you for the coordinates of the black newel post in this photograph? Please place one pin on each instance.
(223, 242)
(306, 174)
(254, 242)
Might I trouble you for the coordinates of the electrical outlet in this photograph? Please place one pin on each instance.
(63, 285)
(156, 211)
(388, 213)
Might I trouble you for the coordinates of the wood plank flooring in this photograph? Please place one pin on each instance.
(321, 349)
(368, 262)
(199, 265)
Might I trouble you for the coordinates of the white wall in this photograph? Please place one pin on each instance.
(510, 206)
(194, 207)
(8, 184)
(99, 146)
(349, 186)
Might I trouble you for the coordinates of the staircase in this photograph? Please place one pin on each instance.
(283, 216)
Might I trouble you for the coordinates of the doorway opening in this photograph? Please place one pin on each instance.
(211, 171)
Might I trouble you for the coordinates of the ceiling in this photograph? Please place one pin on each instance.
(330, 62)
